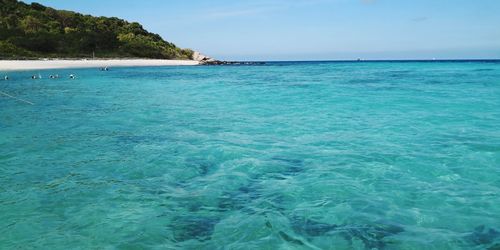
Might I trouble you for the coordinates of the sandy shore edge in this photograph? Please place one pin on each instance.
(21, 65)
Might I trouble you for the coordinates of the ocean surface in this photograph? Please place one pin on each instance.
(312, 155)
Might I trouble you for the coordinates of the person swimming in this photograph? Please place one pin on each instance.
(6, 78)
(33, 77)
(72, 76)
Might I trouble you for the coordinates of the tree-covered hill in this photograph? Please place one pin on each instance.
(34, 31)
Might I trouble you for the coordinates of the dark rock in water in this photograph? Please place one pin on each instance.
(193, 228)
(311, 227)
(483, 236)
(495, 247)
(249, 193)
(293, 170)
(290, 239)
(240, 199)
(246, 190)
(388, 228)
(230, 203)
(372, 236)
(204, 166)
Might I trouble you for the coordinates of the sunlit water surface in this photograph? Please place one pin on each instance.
(338, 155)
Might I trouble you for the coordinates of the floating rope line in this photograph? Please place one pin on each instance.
(15, 98)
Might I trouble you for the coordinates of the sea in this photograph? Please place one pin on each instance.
(285, 155)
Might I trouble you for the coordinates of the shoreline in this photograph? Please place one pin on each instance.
(25, 65)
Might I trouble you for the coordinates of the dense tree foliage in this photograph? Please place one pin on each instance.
(34, 31)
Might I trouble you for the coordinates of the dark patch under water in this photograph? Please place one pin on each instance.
(311, 227)
(240, 199)
(483, 236)
(203, 166)
(290, 239)
(193, 228)
(293, 166)
(372, 235)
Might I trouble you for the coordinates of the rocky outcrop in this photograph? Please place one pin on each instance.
(216, 62)
(206, 60)
(197, 56)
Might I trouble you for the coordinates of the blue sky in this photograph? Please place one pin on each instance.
(314, 29)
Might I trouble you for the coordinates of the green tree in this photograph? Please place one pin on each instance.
(37, 31)
(31, 25)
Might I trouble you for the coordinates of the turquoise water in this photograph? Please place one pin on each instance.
(372, 155)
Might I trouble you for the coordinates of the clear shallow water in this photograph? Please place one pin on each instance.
(284, 156)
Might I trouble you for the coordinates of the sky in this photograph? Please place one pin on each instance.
(314, 29)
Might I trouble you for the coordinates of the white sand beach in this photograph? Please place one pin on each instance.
(15, 65)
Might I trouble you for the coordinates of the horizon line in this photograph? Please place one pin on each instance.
(368, 60)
